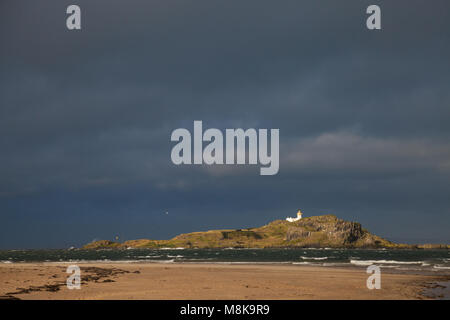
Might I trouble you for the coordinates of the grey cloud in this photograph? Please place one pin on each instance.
(349, 152)
(88, 115)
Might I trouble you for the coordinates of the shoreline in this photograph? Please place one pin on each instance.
(195, 281)
(394, 268)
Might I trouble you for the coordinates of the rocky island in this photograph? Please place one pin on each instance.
(310, 232)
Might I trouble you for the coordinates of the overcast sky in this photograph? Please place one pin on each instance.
(86, 116)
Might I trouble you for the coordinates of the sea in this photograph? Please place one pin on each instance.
(415, 261)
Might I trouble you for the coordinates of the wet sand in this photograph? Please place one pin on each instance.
(204, 281)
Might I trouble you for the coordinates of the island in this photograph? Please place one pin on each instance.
(325, 231)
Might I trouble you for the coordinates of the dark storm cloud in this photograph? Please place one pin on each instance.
(86, 116)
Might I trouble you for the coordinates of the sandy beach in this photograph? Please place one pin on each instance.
(204, 281)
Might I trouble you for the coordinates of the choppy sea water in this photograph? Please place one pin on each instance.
(431, 261)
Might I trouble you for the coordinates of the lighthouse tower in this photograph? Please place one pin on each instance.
(299, 216)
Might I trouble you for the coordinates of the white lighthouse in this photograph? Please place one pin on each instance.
(299, 216)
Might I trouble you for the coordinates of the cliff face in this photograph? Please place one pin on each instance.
(330, 231)
(319, 231)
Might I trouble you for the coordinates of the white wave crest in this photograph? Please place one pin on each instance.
(314, 258)
(441, 267)
(369, 262)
